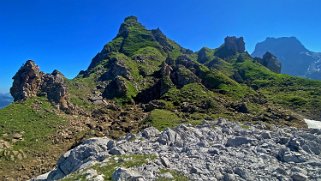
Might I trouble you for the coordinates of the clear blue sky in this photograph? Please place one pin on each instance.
(66, 34)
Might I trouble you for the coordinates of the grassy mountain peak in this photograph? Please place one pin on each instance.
(142, 78)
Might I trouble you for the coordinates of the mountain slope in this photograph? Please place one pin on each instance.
(140, 79)
(295, 58)
(5, 99)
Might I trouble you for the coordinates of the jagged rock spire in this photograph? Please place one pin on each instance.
(29, 82)
(128, 24)
(235, 44)
(232, 45)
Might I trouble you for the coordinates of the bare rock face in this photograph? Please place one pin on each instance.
(160, 87)
(117, 68)
(165, 82)
(29, 82)
(232, 45)
(55, 88)
(162, 40)
(271, 62)
(182, 76)
(235, 44)
(130, 21)
(122, 174)
(115, 88)
(166, 70)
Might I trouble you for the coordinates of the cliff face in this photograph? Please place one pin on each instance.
(232, 45)
(29, 82)
(271, 62)
(296, 59)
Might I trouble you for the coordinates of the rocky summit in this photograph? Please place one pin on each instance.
(232, 46)
(29, 82)
(140, 82)
(216, 150)
(295, 57)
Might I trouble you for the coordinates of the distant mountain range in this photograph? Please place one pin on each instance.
(5, 99)
(295, 58)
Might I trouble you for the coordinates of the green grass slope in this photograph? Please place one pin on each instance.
(27, 129)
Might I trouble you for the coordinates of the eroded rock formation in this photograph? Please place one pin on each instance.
(29, 82)
(271, 62)
(232, 45)
(116, 88)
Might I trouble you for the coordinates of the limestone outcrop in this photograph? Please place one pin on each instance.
(30, 82)
(27, 81)
(214, 150)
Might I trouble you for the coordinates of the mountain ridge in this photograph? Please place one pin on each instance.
(296, 58)
(140, 79)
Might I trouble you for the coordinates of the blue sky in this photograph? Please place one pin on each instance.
(67, 34)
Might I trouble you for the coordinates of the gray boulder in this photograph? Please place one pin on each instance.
(170, 137)
(242, 173)
(92, 175)
(238, 141)
(116, 151)
(266, 135)
(294, 144)
(90, 150)
(213, 151)
(165, 162)
(299, 177)
(111, 144)
(312, 145)
(167, 176)
(150, 132)
(123, 174)
(229, 177)
(286, 155)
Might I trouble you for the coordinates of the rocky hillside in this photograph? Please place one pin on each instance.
(30, 82)
(295, 58)
(141, 79)
(215, 150)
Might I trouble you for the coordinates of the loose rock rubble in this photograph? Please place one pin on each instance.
(217, 150)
